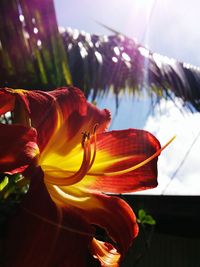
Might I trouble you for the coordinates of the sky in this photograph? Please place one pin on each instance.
(168, 27)
(172, 26)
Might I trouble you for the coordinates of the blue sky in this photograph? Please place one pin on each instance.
(168, 27)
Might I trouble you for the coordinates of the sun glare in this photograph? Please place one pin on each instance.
(147, 4)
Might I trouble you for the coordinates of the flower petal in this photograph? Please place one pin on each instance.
(18, 147)
(118, 151)
(64, 149)
(60, 115)
(108, 212)
(7, 102)
(46, 109)
(43, 233)
(81, 118)
(105, 253)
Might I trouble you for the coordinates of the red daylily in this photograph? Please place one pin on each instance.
(71, 160)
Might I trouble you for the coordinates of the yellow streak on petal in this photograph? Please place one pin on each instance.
(17, 91)
(59, 175)
(69, 162)
(63, 168)
(70, 197)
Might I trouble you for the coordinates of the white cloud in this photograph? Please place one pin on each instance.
(166, 122)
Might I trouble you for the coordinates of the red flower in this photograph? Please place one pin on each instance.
(71, 161)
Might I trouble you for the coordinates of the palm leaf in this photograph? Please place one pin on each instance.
(31, 50)
(118, 62)
(34, 54)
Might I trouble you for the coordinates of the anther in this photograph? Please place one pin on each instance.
(95, 128)
(84, 137)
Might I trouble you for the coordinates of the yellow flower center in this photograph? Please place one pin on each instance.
(67, 177)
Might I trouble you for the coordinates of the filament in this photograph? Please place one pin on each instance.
(157, 153)
(86, 164)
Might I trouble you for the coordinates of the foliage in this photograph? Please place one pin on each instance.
(31, 49)
(118, 62)
(12, 185)
(35, 55)
(144, 218)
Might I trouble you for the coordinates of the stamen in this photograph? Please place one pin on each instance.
(86, 164)
(84, 138)
(78, 176)
(157, 153)
(95, 146)
(95, 128)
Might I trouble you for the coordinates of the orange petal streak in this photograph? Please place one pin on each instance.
(105, 253)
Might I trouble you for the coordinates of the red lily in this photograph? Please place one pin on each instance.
(71, 160)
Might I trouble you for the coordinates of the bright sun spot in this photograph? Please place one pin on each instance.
(145, 3)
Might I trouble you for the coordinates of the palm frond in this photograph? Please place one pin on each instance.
(34, 54)
(31, 50)
(118, 62)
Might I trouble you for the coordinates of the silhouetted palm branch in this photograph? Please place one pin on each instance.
(31, 50)
(34, 54)
(104, 62)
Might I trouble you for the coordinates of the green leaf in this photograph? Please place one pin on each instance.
(3, 183)
(141, 214)
(144, 218)
(149, 220)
